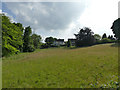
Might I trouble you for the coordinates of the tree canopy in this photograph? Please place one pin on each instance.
(104, 36)
(14, 40)
(36, 40)
(97, 37)
(11, 37)
(84, 37)
(116, 28)
(27, 45)
(50, 40)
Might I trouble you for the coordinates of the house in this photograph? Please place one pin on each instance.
(58, 42)
(72, 41)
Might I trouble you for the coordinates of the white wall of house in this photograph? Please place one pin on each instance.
(57, 43)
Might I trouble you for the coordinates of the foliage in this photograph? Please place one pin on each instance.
(11, 37)
(97, 37)
(44, 45)
(8, 50)
(36, 40)
(116, 28)
(27, 40)
(14, 40)
(31, 48)
(68, 43)
(84, 37)
(104, 36)
(111, 37)
(50, 40)
(105, 40)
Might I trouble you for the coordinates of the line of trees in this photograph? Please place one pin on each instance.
(16, 38)
(86, 37)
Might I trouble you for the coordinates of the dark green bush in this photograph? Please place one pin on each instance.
(44, 46)
(31, 48)
(106, 40)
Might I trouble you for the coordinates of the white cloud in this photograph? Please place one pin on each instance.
(62, 20)
(44, 17)
(100, 15)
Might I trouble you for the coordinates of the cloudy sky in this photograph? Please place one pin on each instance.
(63, 19)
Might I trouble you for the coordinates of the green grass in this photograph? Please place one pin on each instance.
(95, 66)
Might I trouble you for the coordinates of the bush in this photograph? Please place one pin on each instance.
(68, 43)
(8, 50)
(54, 46)
(31, 48)
(44, 46)
(106, 40)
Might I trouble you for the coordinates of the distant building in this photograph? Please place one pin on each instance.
(58, 42)
(72, 41)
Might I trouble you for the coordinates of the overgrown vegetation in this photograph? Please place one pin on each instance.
(16, 39)
(11, 37)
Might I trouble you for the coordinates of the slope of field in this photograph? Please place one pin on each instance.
(95, 66)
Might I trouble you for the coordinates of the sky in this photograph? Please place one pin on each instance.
(62, 19)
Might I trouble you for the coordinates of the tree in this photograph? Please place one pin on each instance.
(111, 37)
(11, 37)
(97, 37)
(116, 28)
(49, 40)
(68, 43)
(36, 40)
(104, 36)
(85, 37)
(22, 29)
(27, 47)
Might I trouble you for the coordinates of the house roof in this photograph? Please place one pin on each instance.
(60, 40)
(71, 39)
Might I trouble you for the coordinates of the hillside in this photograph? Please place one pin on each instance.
(95, 66)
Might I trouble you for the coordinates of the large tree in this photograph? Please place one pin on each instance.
(36, 40)
(22, 29)
(84, 37)
(49, 40)
(104, 36)
(27, 45)
(116, 28)
(11, 37)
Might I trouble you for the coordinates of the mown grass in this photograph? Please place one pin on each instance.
(95, 66)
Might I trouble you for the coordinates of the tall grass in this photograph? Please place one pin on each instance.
(95, 66)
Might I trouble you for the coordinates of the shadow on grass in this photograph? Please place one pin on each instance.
(74, 47)
(115, 45)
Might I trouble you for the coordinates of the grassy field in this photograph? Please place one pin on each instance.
(95, 66)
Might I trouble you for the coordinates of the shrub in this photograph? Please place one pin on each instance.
(31, 48)
(44, 46)
(106, 40)
(8, 50)
(68, 43)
